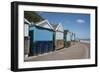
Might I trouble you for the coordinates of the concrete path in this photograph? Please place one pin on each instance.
(77, 51)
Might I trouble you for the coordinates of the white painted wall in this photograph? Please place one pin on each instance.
(5, 36)
(26, 30)
(68, 36)
(59, 36)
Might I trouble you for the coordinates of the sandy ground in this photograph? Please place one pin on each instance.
(77, 51)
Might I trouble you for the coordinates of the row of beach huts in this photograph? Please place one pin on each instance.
(43, 37)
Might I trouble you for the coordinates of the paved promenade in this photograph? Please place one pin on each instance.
(76, 51)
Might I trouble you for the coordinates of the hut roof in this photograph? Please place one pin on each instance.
(57, 27)
(54, 26)
(26, 21)
(45, 24)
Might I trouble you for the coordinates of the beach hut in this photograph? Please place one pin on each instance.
(29, 16)
(58, 36)
(26, 38)
(41, 37)
(72, 38)
(66, 38)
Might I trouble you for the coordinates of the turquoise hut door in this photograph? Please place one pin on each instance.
(41, 40)
(44, 40)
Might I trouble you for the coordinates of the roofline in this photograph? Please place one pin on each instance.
(41, 27)
(49, 24)
(26, 21)
(58, 26)
(40, 22)
(45, 21)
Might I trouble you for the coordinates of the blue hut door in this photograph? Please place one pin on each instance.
(41, 40)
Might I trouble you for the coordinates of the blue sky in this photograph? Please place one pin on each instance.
(74, 22)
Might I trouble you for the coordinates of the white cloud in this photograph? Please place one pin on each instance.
(80, 21)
